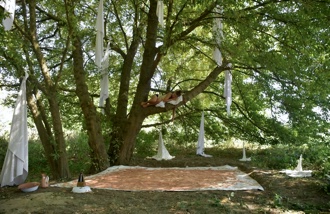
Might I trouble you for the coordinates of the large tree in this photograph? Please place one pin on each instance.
(278, 49)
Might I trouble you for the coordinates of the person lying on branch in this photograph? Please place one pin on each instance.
(159, 101)
(173, 98)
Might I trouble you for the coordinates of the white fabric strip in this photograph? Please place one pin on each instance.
(227, 90)
(9, 6)
(160, 12)
(15, 167)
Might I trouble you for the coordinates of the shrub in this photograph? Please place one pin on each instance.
(78, 152)
(3, 149)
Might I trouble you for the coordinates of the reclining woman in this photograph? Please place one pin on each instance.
(156, 99)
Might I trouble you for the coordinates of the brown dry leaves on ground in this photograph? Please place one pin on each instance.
(282, 195)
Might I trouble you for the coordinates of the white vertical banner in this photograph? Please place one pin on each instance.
(200, 143)
(160, 12)
(227, 90)
(99, 36)
(15, 166)
(104, 93)
(101, 59)
(9, 7)
(218, 36)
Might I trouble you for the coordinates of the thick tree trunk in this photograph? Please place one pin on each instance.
(61, 154)
(95, 139)
(51, 93)
(99, 155)
(138, 114)
(45, 135)
(129, 137)
(124, 134)
(120, 120)
(125, 129)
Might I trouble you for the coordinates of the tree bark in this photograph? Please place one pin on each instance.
(125, 130)
(45, 134)
(99, 155)
(50, 90)
(93, 125)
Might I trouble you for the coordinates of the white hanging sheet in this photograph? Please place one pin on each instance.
(15, 167)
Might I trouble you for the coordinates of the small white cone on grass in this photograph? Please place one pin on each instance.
(244, 158)
(298, 172)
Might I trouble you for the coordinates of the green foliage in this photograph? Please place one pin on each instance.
(277, 157)
(77, 149)
(37, 161)
(3, 149)
(146, 144)
(215, 202)
(318, 156)
(315, 157)
(175, 141)
(78, 153)
(278, 200)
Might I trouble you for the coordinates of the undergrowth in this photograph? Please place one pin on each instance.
(315, 157)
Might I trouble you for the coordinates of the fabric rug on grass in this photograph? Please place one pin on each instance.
(130, 178)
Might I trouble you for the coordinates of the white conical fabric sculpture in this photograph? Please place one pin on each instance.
(15, 166)
(299, 165)
(244, 158)
(9, 7)
(298, 172)
(162, 153)
(200, 143)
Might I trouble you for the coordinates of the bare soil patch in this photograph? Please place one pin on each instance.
(282, 194)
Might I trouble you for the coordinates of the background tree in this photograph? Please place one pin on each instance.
(279, 51)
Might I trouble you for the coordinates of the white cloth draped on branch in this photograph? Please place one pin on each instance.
(161, 104)
(15, 167)
(101, 59)
(9, 7)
